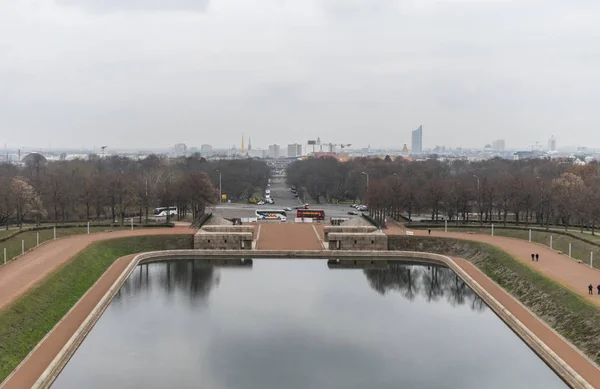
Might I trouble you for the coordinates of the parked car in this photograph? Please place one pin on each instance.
(352, 213)
(260, 203)
(287, 209)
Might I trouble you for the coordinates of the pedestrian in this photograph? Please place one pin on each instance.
(598, 289)
(429, 232)
(591, 289)
(537, 257)
(532, 257)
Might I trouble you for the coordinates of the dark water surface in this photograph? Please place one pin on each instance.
(296, 324)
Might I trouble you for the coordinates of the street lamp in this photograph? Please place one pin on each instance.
(220, 188)
(367, 174)
(479, 212)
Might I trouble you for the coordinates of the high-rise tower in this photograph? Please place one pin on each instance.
(417, 140)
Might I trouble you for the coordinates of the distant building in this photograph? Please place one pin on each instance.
(180, 149)
(552, 144)
(521, 155)
(294, 150)
(417, 141)
(498, 145)
(254, 153)
(206, 150)
(274, 151)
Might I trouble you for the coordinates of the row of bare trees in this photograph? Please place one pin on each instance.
(542, 191)
(118, 187)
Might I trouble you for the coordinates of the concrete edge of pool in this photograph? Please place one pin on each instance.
(557, 364)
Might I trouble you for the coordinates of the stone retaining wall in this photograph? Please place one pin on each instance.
(347, 229)
(357, 241)
(204, 240)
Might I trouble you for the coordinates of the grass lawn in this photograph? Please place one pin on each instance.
(579, 250)
(569, 314)
(4, 232)
(24, 323)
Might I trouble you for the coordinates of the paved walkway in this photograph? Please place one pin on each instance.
(559, 267)
(568, 353)
(289, 236)
(45, 352)
(20, 275)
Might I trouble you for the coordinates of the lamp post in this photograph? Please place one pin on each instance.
(541, 200)
(478, 200)
(220, 188)
(367, 174)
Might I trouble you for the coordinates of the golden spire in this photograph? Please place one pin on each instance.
(242, 143)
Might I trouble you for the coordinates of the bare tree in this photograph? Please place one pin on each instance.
(567, 191)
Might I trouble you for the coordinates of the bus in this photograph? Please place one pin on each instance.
(310, 213)
(263, 214)
(162, 211)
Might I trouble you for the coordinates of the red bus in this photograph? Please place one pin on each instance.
(310, 213)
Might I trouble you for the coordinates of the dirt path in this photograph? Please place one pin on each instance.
(553, 265)
(288, 236)
(20, 275)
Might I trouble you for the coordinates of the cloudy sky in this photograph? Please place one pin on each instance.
(151, 73)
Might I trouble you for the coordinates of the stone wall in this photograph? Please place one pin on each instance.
(357, 241)
(224, 228)
(205, 240)
(347, 229)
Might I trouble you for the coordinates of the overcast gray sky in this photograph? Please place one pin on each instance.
(151, 73)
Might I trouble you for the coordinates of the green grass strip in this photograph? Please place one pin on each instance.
(24, 323)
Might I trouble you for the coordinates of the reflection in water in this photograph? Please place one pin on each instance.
(193, 276)
(431, 282)
(297, 325)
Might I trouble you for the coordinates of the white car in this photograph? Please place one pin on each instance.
(260, 203)
(287, 209)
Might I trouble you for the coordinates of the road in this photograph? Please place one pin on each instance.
(283, 197)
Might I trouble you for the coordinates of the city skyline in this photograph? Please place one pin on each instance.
(101, 72)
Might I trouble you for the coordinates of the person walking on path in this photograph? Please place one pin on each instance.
(537, 257)
(591, 289)
(599, 289)
(532, 257)
(429, 232)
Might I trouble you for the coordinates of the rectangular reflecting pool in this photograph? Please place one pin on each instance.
(297, 324)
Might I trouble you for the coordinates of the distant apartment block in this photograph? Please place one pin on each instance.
(180, 149)
(206, 150)
(294, 150)
(417, 140)
(498, 145)
(274, 151)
